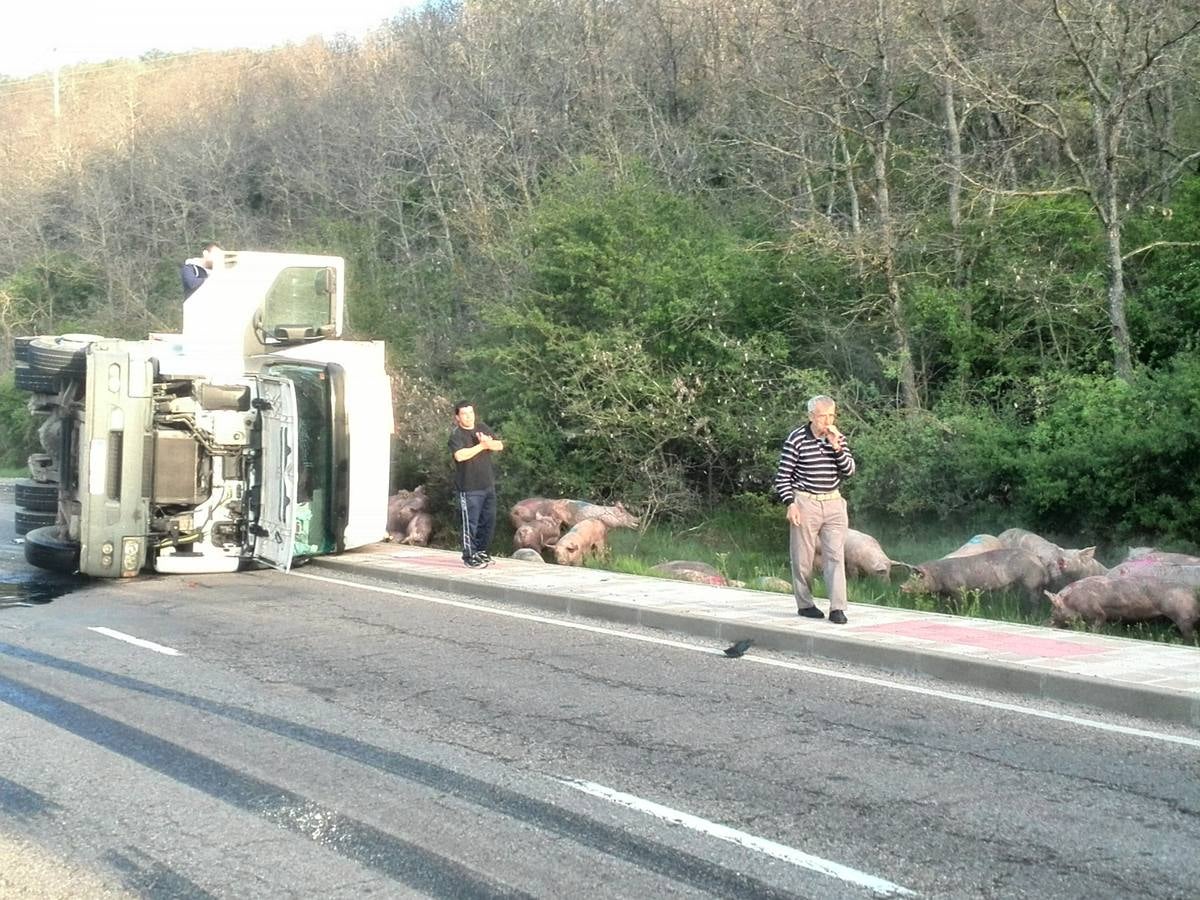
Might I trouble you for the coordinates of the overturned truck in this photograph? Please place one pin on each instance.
(254, 435)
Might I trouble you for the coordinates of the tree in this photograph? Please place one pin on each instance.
(1092, 66)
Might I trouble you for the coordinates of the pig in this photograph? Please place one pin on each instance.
(571, 512)
(420, 527)
(1176, 567)
(992, 570)
(539, 534)
(615, 516)
(1066, 565)
(584, 539)
(980, 543)
(686, 570)
(540, 507)
(1125, 598)
(864, 557)
(402, 507)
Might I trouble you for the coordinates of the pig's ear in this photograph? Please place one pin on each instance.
(1054, 599)
(1087, 553)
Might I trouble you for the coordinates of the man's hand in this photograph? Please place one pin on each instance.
(487, 442)
(793, 514)
(836, 440)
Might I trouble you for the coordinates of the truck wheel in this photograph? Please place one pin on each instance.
(36, 496)
(46, 550)
(36, 381)
(66, 353)
(27, 520)
(21, 347)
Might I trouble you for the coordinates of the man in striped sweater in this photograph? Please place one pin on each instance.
(812, 465)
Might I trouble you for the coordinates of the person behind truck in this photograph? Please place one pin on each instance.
(195, 270)
(472, 445)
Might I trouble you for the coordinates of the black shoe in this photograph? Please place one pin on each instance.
(811, 612)
(484, 555)
(475, 562)
(837, 617)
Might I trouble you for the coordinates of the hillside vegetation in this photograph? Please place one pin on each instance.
(641, 234)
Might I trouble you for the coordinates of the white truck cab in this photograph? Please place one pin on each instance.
(255, 434)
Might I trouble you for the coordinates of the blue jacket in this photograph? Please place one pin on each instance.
(193, 274)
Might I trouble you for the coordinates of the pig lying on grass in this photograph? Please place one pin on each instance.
(570, 512)
(584, 539)
(1113, 598)
(994, 570)
(980, 543)
(1177, 567)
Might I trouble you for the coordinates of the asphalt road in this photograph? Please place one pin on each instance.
(304, 736)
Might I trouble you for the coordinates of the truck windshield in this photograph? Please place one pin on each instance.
(299, 303)
(315, 489)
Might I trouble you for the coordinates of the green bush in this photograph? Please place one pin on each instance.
(636, 355)
(950, 464)
(1117, 460)
(16, 424)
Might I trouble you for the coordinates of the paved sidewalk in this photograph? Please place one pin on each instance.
(1140, 678)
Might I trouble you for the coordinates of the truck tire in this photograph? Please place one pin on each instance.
(26, 520)
(21, 347)
(46, 550)
(66, 353)
(37, 496)
(36, 381)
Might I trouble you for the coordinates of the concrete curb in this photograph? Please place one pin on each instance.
(1141, 701)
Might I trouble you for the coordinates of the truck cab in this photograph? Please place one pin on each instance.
(256, 434)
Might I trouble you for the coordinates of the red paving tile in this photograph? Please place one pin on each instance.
(983, 637)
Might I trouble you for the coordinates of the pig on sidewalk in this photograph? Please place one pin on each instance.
(584, 539)
(570, 512)
(993, 570)
(864, 557)
(1114, 598)
(1065, 565)
(408, 519)
(541, 533)
(689, 570)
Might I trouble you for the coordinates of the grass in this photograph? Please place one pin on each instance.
(14, 471)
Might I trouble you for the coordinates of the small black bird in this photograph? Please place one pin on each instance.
(739, 648)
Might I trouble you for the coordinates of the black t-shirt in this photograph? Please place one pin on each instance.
(476, 473)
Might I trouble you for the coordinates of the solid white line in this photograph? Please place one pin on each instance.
(137, 642)
(741, 838)
(778, 663)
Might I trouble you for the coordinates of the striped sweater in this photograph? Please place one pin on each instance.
(808, 463)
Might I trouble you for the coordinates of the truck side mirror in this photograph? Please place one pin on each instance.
(327, 281)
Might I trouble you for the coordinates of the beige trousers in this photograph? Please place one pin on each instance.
(827, 521)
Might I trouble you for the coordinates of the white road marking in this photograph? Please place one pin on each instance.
(137, 642)
(778, 663)
(743, 839)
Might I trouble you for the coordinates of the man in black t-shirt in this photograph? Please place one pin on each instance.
(472, 446)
